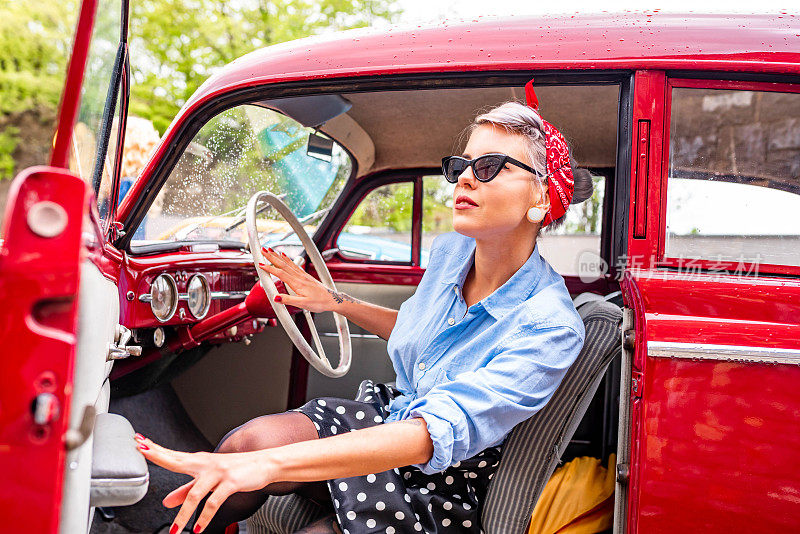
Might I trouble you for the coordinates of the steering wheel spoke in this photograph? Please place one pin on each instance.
(318, 359)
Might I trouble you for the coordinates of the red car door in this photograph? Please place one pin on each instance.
(713, 265)
(50, 226)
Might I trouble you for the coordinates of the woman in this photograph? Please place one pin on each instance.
(480, 346)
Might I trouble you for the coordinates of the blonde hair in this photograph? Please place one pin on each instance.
(520, 119)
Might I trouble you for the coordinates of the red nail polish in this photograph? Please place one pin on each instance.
(264, 250)
(196, 528)
(173, 529)
(144, 447)
(262, 264)
(138, 436)
(278, 298)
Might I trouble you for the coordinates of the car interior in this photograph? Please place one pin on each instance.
(372, 199)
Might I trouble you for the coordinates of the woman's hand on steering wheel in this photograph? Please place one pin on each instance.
(310, 293)
(220, 475)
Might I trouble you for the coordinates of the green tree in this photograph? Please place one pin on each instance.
(35, 38)
(177, 44)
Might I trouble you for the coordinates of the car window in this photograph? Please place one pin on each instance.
(239, 152)
(567, 248)
(380, 227)
(733, 189)
(573, 249)
(83, 151)
(437, 211)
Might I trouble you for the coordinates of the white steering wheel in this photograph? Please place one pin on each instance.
(319, 362)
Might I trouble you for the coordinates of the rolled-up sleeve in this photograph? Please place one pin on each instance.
(477, 409)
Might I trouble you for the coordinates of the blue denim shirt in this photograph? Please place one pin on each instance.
(473, 373)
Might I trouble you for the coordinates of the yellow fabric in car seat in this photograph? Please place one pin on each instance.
(578, 499)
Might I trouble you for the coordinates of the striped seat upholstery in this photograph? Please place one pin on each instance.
(531, 451)
(284, 514)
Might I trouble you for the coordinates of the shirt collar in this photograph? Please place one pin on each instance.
(513, 292)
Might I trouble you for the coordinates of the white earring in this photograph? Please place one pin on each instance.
(536, 214)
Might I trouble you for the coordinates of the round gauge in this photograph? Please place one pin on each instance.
(199, 296)
(163, 297)
(158, 337)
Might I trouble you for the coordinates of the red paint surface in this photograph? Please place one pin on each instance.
(39, 280)
(226, 270)
(720, 447)
(695, 264)
(758, 43)
(715, 443)
(715, 446)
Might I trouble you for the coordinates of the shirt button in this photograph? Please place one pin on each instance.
(451, 321)
(422, 366)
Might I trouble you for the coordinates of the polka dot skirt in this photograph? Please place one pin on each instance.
(403, 499)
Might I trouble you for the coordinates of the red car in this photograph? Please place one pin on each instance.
(690, 124)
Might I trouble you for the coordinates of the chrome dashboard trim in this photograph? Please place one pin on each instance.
(215, 295)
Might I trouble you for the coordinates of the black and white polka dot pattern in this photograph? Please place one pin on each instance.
(403, 499)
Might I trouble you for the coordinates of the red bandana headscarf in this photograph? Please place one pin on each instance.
(560, 182)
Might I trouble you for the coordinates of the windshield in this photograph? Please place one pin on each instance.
(241, 151)
(85, 134)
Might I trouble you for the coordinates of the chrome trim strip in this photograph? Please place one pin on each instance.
(336, 334)
(729, 353)
(215, 295)
(229, 294)
(120, 482)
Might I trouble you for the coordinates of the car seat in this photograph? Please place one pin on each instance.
(531, 451)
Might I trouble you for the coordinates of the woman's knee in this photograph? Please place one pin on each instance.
(268, 431)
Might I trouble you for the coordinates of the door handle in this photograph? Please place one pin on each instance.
(328, 254)
(119, 349)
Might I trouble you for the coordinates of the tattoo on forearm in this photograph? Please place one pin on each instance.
(340, 297)
(412, 421)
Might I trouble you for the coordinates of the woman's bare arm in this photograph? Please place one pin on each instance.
(370, 317)
(360, 452)
(312, 295)
(369, 450)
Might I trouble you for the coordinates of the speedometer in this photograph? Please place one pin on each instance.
(198, 296)
(164, 297)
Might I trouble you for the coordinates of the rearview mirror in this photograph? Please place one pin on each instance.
(320, 147)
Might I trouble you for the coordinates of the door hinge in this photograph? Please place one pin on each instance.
(637, 383)
(623, 473)
(629, 339)
(115, 231)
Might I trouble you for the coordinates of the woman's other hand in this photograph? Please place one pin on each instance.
(310, 293)
(220, 475)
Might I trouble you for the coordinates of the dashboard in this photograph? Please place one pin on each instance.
(165, 296)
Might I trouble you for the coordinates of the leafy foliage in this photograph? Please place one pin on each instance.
(35, 38)
(177, 44)
(8, 142)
